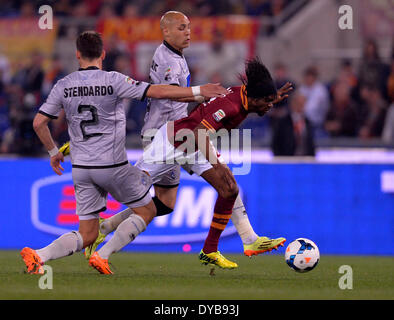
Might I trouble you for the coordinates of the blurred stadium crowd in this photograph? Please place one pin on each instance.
(357, 104)
(132, 8)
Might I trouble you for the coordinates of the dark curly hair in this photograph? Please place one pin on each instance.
(257, 79)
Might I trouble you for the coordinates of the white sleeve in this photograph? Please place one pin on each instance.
(127, 87)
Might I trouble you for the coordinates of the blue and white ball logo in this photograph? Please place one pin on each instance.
(302, 255)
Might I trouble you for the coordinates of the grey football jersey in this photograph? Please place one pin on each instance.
(92, 101)
(169, 66)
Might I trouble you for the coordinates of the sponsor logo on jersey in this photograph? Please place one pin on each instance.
(144, 180)
(219, 115)
(130, 80)
(167, 74)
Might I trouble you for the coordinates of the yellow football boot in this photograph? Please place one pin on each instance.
(216, 259)
(65, 148)
(263, 244)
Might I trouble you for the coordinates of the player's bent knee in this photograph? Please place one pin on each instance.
(161, 208)
(229, 192)
(147, 212)
(233, 192)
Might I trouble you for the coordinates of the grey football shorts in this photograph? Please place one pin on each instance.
(168, 178)
(126, 183)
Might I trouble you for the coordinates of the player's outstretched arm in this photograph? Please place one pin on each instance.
(163, 91)
(198, 99)
(40, 125)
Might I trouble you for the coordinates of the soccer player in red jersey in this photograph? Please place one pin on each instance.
(187, 142)
(256, 95)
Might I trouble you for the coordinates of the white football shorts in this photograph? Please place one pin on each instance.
(126, 184)
(160, 156)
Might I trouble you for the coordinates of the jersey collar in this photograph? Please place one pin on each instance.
(88, 68)
(244, 97)
(172, 48)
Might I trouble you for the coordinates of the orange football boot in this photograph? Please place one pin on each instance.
(100, 264)
(32, 261)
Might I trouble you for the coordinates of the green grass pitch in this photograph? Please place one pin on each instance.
(157, 276)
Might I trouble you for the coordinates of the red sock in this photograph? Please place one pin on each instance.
(222, 214)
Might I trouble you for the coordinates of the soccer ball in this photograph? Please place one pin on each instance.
(302, 255)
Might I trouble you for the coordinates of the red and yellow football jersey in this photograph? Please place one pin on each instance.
(227, 112)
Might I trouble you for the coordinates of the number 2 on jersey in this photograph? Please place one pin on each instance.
(91, 122)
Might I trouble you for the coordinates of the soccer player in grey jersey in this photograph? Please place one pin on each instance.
(91, 99)
(169, 67)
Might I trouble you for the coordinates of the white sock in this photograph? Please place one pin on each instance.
(63, 246)
(127, 231)
(241, 222)
(110, 224)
